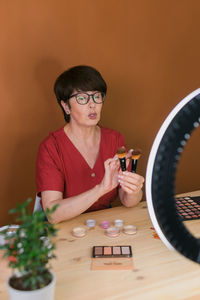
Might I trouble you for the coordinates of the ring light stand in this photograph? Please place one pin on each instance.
(160, 176)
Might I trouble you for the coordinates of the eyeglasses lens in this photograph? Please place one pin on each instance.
(98, 97)
(84, 98)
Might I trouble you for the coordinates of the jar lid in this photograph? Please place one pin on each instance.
(130, 229)
(90, 223)
(112, 232)
(118, 223)
(105, 224)
(78, 231)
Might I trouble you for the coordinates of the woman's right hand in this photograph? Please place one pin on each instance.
(110, 179)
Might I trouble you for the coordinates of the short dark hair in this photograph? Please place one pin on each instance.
(83, 78)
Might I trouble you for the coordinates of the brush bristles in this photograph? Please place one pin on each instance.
(121, 152)
(136, 154)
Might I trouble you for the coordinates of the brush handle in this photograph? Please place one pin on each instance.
(123, 164)
(134, 165)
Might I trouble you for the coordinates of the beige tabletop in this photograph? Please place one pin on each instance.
(158, 273)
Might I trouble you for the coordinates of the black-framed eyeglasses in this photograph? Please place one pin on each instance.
(84, 98)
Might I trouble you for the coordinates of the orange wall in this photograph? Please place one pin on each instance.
(148, 52)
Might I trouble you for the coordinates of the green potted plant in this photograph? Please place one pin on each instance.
(29, 249)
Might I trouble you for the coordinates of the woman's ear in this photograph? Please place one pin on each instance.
(65, 107)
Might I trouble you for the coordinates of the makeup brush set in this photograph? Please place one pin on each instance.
(121, 152)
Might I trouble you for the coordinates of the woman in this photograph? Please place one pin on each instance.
(77, 165)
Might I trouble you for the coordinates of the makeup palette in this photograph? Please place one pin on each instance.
(112, 251)
(188, 208)
(112, 258)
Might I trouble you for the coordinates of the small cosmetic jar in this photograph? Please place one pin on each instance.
(119, 223)
(91, 223)
(105, 224)
(79, 232)
(11, 230)
(130, 229)
(112, 232)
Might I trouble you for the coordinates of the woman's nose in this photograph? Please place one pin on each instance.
(91, 102)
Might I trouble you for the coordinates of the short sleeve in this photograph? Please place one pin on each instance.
(49, 173)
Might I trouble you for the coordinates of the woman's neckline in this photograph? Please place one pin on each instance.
(78, 150)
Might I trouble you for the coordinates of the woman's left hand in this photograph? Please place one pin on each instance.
(131, 183)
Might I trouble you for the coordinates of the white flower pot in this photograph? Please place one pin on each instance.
(45, 293)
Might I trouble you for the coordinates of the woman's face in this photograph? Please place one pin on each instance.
(84, 114)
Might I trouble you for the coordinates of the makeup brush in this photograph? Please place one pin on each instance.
(121, 152)
(135, 156)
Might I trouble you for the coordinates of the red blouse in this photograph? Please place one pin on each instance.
(61, 167)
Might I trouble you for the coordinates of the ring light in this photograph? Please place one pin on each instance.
(160, 176)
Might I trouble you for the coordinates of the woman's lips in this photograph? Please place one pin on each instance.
(92, 116)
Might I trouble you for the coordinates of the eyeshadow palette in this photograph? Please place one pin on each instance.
(112, 258)
(188, 208)
(111, 251)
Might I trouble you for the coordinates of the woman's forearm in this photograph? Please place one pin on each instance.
(70, 207)
(73, 206)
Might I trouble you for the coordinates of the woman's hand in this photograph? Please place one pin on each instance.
(131, 183)
(110, 179)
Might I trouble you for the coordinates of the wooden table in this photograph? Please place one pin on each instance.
(158, 273)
